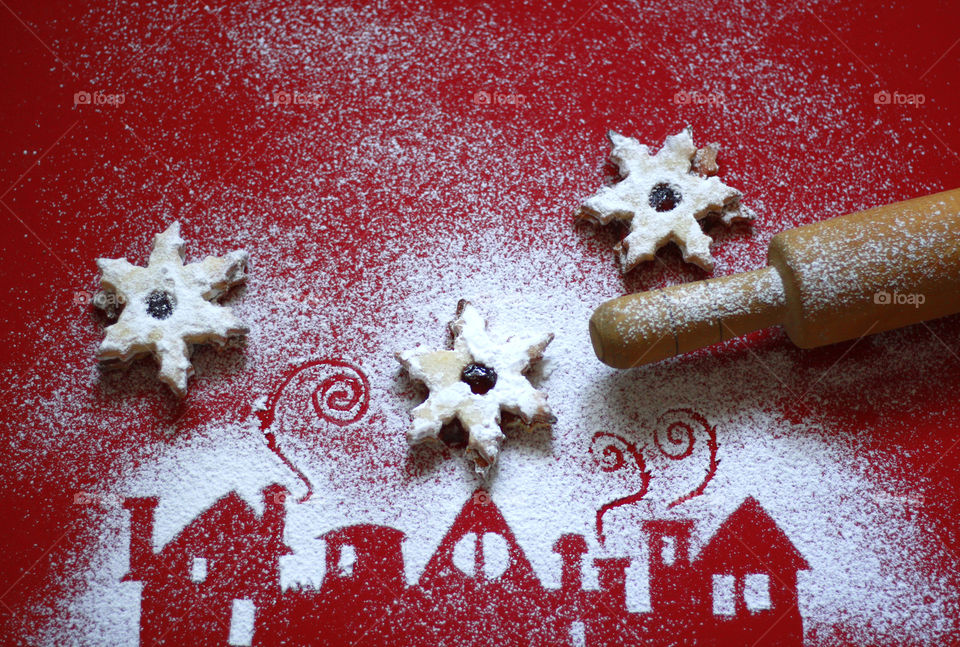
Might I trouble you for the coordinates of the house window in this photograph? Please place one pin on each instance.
(578, 634)
(724, 600)
(241, 622)
(464, 552)
(495, 555)
(348, 559)
(198, 570)
(668, 550)
(756, 591)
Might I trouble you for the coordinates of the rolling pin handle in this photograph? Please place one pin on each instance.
(642, 328)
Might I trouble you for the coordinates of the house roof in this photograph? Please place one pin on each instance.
(479, 515)
(223, 527)
(750, 541)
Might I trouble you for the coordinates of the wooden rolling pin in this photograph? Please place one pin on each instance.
(827, 282)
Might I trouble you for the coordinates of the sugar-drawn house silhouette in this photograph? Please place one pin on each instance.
(218, 583)
(226, 554)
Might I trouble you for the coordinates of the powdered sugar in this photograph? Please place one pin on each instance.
(365, 232)
(864, 554)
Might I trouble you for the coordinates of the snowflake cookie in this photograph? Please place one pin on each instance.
(663, 197)
(474, 383)
(168, 306)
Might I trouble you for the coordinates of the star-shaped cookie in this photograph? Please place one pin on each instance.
(168, 306)
(663, 197)
(474, 382)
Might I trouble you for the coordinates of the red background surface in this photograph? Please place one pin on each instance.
(80, 182)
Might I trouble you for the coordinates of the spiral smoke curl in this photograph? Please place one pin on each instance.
(342, 398)
(676, 440)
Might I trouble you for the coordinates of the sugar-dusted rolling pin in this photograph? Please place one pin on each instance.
(827, 282)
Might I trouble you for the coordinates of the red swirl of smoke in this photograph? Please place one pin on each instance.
(617, 448)
(675, 440)
(341, 399)
(681, 434)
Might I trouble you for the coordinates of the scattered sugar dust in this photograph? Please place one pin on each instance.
(446, 208)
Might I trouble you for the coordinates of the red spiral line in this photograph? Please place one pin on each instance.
(620, 462)
(352, 391)
(267, 415)
(712, 445)
(688, 442)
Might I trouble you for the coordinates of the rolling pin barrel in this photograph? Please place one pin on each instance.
(827, 282)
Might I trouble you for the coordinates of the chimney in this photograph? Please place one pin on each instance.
(669, 542)
(612, 576)
(571, 549)
(274, 510)
(141, 537)
(673, 583)
(365, 556)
